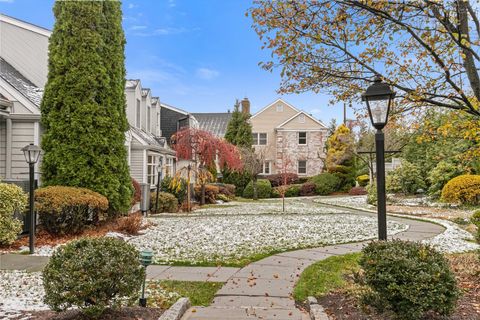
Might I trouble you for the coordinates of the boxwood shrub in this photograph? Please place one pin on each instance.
(92, 274)
(325, 183)
(12, 199)
(475, 219)
(464, 189)
(363, 180)
(408, 279)
(67, 210)
(167, 202)
(264, 189)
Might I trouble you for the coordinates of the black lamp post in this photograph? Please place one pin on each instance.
(31, 153)
(379, 97)
(159, 181)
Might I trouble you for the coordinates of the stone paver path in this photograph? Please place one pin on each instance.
(263, 289)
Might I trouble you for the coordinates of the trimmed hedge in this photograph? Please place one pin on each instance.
(325, 183)
(264, 189)
(167, 202)
(408, 279)
(92, 274)
(12, 199)
(464, 189)
(67, 210)
(363, 180)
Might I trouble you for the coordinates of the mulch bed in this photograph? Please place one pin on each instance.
(127, 313)
(341, 305)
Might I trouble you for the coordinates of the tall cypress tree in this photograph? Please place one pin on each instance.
(83, 108)
(239, 130)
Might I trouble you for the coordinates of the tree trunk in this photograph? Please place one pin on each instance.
(283, 202)
(202, 198)
(255, 193)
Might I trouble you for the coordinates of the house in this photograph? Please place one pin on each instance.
(213, 122)
(23, 74)
(289, 139)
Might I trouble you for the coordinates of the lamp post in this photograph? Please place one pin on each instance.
(379, 97)
(145, 260)
(31, 153)
(159, 180)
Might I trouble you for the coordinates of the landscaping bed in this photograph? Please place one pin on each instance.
(126, 313)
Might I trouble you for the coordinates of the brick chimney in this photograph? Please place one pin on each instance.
(245, 105)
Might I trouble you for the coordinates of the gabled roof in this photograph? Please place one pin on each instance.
(155, 100)
(148, 140)
(164, 105)
(24, 86)
(132, 83)
(273, 103)
(25, 25)
(296, 115)
(145, 92)
(215, 123)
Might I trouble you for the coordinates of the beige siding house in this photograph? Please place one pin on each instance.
(289, 139)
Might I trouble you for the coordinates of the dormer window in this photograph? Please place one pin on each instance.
(279, 107)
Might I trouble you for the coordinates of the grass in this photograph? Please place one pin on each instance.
(164, 293)
(325, 276)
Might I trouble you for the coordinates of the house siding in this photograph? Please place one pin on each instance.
(136, 167)
(3, 147)
(169, 120)
(22, 134)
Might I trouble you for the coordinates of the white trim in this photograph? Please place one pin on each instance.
(139, 139)
(299, 113)
(18, 96)
(303, 130)
(298, 168)
(167, 106)
(258, 138)
(25, 25)
(298, 138)
(272, 104)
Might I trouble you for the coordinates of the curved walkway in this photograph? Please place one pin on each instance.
(263, 289)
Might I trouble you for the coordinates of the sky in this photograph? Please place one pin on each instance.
(198, 55)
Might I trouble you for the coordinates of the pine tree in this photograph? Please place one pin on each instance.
(83, 108)
(239, 130)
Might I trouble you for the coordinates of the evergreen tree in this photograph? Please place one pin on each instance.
(340, 156)
(239, 130)
(83, 108)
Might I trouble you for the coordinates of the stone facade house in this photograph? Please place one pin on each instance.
(288, 139)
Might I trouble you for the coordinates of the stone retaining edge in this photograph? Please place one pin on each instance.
(316, 311)
(177, 310)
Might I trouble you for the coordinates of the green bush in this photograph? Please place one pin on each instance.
(475, 219)
(464, 189)
(443, 172)
(346, 176)
(67, 210)
(308, 189)
(406, 179)
(211, 193)
(275, 193)
(180, 191)
(12, 199)
(167, 202)
(372, 194)
(408, 279)
(92, 274)
(325, 183)
(223, 197)
(264, 189)
(293, 190)
(239, 179)
(363, 180)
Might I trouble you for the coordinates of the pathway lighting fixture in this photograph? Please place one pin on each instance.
(32, 154)
(379, 98)
(146, 260)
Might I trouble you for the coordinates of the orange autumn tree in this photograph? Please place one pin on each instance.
(206, 151)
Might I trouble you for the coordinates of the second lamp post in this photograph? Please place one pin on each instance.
(379, 97)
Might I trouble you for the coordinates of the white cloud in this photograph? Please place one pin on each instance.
(207, 74)
(138, 27)
(131, 6)
(171, 3)
(7, 1)
(142, 32)
(315, 111)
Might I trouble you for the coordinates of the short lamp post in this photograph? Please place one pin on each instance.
(159, 182)
(31, 153)
(379, 97)
(146, 260)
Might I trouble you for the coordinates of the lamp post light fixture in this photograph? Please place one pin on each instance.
(379, 97)
(146, 260)
(31, 153)
(159, 181)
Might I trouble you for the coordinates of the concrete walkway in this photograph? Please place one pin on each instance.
(263, 289)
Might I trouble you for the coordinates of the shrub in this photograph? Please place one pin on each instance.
(264, 189)
(211, 192)
(325, 183)
(225, 189)
(92, 274)
(357, 191)
(345, 175)
(239, 179)
(67, 210)
(407, 179)
(12, 199)
(308, 189)
(275, 193)
(293, 190)
(130, 224)
(223, 197)
(277, 180)
(408, 279)
(464, 189)
(475, 219)
(363, 180)
(167, 202)
(137, 192)
(372, 194)
(442, 173)
(179, 190)
(302, 180)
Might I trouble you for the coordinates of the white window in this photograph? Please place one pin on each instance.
(169, 170)
(302, 167)
(259, 138)
(152, 170)
(279, 107)
(301, 118)
(267, 166)
(137, 116)
(302, 138)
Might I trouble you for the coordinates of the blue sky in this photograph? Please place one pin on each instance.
(199, 55)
